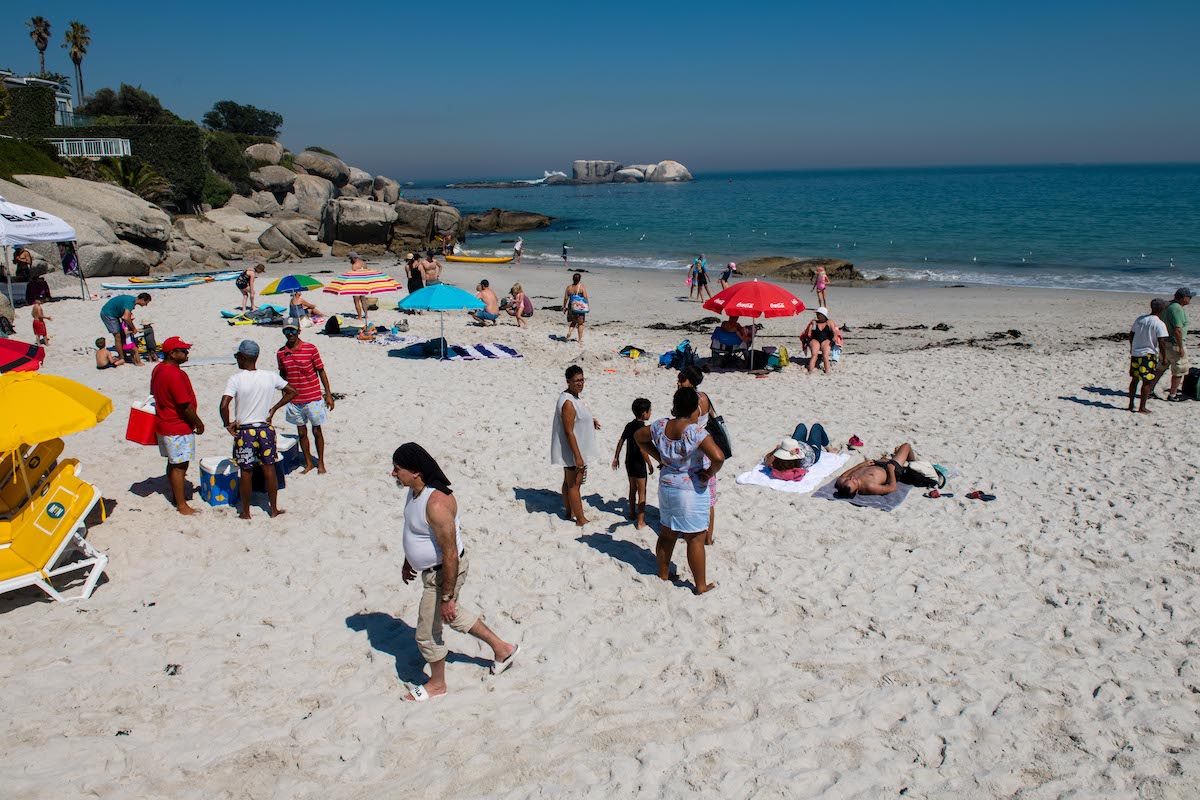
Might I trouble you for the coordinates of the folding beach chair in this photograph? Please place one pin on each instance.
(46, 532)
(21, 473)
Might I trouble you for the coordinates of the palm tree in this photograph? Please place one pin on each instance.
(136, 176)
(76, 42)
(39, 32)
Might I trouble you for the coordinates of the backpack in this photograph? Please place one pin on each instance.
(682, 356)
(1191, 384)
(922, 474)
(333, 327)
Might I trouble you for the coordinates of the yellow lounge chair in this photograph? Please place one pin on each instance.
(46, 531)
(13, 498)
(18, 480)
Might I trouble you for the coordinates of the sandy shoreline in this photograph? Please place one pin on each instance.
(1038, 644)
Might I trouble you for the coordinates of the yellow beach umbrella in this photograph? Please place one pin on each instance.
(35, 408)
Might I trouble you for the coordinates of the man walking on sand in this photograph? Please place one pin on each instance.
(434, 549)
(1176, 320)
(250, 390)
(491, 310)
(176, 420)
(301, 366)
(1147, 343)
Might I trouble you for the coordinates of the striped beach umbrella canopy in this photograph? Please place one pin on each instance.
(292, 283)
(20, 357)
(362, 282)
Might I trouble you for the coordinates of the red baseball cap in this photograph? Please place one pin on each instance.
(175, 343)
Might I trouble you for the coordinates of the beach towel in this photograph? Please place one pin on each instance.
(884, 502)
(829, 464)
(260, 310)
(396, 340)
(474, 352)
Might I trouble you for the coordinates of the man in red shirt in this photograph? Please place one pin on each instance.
(177, 420)
(301, 366)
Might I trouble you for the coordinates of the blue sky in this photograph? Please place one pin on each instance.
(432, 90)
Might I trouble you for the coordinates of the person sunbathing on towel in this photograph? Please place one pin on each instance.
(796, 455)
(874, 477)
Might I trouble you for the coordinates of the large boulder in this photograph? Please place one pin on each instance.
(131, 218)
(241, 228)
(274, 179)
(356, 221)
(266, 203)
(270, 152)
(594, 171)
(349, 190)
(245, 205)
(628, 175)
(101, 253)
(361, 180)
(497, 220)
(669, 172)
(799, 269)
(289, 204)
(331, 169)
(208, 235)
(642, 168)
(290, 237)
(385, 190)
(312, 192)
(6, 308)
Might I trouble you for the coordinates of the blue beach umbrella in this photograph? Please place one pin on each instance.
(441, 298)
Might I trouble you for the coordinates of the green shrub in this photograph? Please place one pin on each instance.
(227, 157)
(217, 190)
(32, 111)
(28, 157)
(231, 117)
(322, 150)
(288, 160)
(174, 151)
(256, 163)
(5, 101)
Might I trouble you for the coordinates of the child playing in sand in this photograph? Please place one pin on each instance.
(820, 281)
(105, 357)
(39, 322)
(637, 467)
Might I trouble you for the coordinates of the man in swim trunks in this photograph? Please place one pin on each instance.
(431, 269)
(491, 310)
(874, 477)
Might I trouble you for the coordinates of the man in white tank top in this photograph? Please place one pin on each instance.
(433, 549)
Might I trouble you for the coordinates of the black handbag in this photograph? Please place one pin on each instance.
(716, 429)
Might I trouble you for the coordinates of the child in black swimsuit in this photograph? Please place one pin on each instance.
(637, 468)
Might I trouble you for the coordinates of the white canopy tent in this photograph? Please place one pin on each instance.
(20, 225)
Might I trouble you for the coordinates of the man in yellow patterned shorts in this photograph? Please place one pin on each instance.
(1147, 339)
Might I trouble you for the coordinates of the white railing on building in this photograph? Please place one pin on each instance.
(92, 148)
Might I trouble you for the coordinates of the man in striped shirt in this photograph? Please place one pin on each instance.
(301, 366)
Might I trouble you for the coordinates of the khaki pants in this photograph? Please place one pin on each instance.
(1177, 360)
(429, 616)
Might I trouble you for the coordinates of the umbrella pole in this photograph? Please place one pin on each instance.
(442, 337)
(8, 277)
(753, 333)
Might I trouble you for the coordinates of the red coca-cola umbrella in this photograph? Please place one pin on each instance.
(20, 357)
(755, 299)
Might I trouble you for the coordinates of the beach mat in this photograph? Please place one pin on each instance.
(883, 502)
(475, 352)
(828, 465)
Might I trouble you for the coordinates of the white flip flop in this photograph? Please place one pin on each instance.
(499, 666)
(420, 695)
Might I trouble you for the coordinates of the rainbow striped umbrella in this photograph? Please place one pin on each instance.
(362, 282)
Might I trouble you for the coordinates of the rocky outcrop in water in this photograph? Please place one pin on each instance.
(498, 220)
(799, 269)
(589, 172)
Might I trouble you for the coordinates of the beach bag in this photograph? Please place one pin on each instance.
(1191, 384)
(333, 327)
(783, 357)
(717, 430)
(578, 305)
(922, 474)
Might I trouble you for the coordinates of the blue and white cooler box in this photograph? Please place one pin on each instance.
(290, 457)
(218, 481)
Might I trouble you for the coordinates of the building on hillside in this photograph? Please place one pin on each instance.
(64, 116)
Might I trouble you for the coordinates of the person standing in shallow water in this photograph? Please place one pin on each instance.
(434, 550)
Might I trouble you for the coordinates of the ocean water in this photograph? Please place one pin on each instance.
(1126, 228)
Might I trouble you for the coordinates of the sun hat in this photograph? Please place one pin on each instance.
(248, 347)
(175, 343)
(789, 449)
(823, 311)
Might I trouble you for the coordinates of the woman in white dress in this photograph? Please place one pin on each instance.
(688, 458)
(573, 443)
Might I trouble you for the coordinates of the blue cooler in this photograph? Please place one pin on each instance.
(218, 481)
(290, 456)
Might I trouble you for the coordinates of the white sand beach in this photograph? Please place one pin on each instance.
(1042, 645)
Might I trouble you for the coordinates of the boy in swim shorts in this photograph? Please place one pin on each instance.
(637, 468)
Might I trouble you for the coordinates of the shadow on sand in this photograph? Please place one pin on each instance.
(396, 638)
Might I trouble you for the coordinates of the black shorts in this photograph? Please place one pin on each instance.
(702, 280)
(636, 469)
